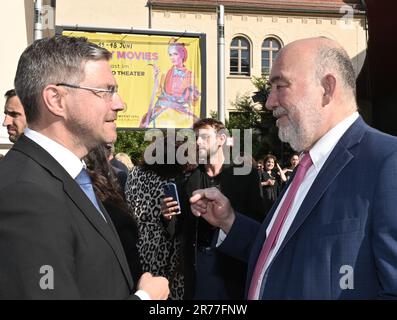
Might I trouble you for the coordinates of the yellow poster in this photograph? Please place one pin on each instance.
(159, 78)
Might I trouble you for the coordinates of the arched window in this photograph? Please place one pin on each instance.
(240, 57)
(270, 48)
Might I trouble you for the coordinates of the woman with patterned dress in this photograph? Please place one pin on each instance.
(159, 252)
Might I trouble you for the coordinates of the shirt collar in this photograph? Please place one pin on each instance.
(66, 158)
(323, 147)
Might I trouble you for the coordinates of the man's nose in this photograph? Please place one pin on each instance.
(271, 101)
(7, 121)
(199, 141)
(117, 104)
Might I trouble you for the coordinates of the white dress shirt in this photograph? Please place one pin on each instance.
(66, 158)
(319, 153)
(70, 162)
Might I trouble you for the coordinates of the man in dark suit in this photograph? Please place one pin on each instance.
(57, 240)
(337, 239)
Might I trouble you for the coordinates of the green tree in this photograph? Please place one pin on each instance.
(251, 115)
(132, 143)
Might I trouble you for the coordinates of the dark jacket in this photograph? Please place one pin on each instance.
(244, 193)
(342, 243)
(119, 165)
(47, 220)
(127, 230)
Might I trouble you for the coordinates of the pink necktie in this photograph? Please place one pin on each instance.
(271, 239)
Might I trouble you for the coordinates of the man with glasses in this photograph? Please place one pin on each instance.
(57, 240)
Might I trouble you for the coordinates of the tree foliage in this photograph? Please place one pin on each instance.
(132, 143)
(251, 115)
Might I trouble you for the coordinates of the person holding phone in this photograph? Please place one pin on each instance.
(171, 192)
(158, 251)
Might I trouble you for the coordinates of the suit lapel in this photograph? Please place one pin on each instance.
(73, 190)
(261, 236)
(104, 228)
(120, 253)
(339, 158)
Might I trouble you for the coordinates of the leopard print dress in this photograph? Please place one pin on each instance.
(159, 253)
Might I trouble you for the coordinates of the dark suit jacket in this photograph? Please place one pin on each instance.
(46, 219)
(119, 165)
(346, 226)
(121, 178)
(127, 231)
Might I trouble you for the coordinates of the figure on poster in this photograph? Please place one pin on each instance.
(175, 90)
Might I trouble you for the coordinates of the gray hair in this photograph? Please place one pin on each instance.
(51, 61)
(337, 59)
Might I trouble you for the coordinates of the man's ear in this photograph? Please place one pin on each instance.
(53, 100)
(329, 84)
(222, 137)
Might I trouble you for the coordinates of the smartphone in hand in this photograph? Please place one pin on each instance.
(170, 191)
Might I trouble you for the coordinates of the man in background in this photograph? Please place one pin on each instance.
(14, 119)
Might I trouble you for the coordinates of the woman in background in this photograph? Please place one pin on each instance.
(271, 180)
(158, 246)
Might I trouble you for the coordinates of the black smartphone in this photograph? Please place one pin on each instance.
(170, 191)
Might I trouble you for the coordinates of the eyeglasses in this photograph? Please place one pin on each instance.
(99, 92)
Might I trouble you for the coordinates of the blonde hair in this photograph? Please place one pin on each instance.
(124, 158)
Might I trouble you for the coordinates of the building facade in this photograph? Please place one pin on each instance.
(254, 31)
